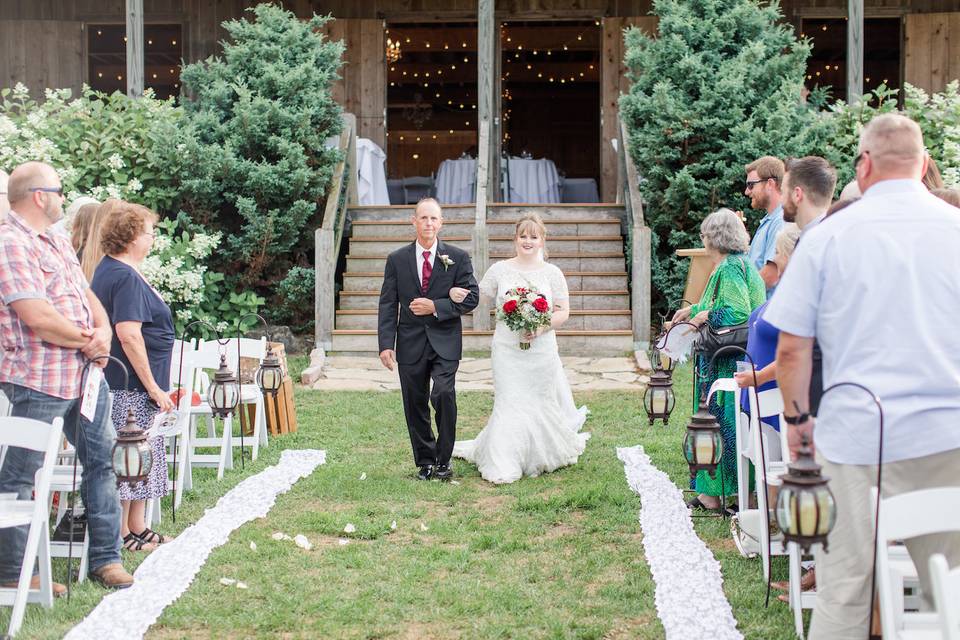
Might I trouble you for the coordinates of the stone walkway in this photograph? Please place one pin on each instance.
(585, 374)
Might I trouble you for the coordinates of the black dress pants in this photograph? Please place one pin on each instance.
(415, 387)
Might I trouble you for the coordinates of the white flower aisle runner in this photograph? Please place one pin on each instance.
(168, 571)
(689, 587)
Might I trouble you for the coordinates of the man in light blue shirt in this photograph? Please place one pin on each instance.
(876, 285)
(764, 178)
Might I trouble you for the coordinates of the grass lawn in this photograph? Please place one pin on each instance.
(558, 556)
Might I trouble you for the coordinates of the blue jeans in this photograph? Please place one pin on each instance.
(94, 444)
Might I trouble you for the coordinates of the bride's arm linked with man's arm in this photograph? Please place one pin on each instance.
(466, 289)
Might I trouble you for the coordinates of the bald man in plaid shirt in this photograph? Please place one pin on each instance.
(50, 323)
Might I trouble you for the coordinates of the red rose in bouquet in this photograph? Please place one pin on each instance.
(524, 311)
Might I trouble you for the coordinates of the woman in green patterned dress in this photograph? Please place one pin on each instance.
(733, 291)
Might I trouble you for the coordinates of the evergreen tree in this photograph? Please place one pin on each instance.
(254, 163)
(717, 87)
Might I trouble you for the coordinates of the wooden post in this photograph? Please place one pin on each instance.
(481, 313)
(486, 31)
(134, 48)
(854, 50)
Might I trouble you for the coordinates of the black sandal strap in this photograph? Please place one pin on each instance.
(137, 542)
(148, 536)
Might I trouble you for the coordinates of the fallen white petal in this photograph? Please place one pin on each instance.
(253, 546)
(454, 482)
(363, 476)
(302, 542)
(343, 541)
(424, 527)
(227, 581)
(241, 585)
(279, 535)
(393, 525)
(349, 528)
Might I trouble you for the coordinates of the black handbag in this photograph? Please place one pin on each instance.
(712, 339)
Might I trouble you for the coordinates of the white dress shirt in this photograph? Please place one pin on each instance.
(433, 259)
(879, 286)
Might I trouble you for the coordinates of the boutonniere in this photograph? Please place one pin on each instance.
(445, 259)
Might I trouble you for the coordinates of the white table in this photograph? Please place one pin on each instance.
(371, 178)
(456, 181)
(533, 181)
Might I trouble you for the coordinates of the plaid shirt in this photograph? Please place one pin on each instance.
(40, 266)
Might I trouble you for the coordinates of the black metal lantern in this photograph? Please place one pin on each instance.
(223, 396)
(658, 398)
(703, 444)
(132, 455)
(660, 361)
(806, 510)
(270, 375)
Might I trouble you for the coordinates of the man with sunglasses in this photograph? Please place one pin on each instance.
(764, 177)
(50, 324)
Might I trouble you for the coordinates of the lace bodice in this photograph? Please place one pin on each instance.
(503, 276)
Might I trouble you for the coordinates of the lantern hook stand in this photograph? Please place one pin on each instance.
(272, 393)
(876, 520)
(670, 305)
(84, 373)
(763, 461)
(189, 395)
(721, 511)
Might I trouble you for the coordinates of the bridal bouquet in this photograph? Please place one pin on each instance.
(524, 310)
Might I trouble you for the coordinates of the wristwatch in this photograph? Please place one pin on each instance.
(795, 420)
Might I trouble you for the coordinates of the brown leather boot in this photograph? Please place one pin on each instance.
(112, 576)
(58, 589)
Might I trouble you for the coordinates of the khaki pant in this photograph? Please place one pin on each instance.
(843, 575)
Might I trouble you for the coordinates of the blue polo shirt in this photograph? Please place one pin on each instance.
(763, 247)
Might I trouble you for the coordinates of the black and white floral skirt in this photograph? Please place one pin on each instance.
(144, 412)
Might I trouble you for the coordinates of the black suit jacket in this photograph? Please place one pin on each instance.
(407, 333)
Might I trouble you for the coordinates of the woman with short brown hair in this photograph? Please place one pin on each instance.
(143, 341)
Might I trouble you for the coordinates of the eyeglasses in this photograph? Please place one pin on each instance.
(56, 190)
(752, 183)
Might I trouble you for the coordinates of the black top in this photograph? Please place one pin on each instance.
(127, 297)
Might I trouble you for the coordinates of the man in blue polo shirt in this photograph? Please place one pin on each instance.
(764, 178)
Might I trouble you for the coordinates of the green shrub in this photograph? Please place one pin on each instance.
(253, 163)
(295, 300)
(718, 87)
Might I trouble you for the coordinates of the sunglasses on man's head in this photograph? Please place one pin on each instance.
(56, 190)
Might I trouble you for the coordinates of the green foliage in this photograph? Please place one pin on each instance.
(295, 300)
(103, 146)
(718, 87)
(938, 115)
(178, 268)
(252, 159)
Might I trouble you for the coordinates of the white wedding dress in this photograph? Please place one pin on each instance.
(535, 425)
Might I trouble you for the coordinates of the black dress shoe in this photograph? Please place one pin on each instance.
(443, 472)
(426, 472)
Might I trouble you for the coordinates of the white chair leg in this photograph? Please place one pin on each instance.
(796, 602)
(226, 447)
(262, 422)
(46, 571)
(255, 451)
(84, 558)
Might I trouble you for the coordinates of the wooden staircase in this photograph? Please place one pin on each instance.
(585, 241)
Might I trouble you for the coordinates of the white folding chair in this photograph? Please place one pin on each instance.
(63, 482)
(250, 394)
(192, 368)
(37, 436)
(5, 409)
(904, 516)
(766, 404)
(946, 595)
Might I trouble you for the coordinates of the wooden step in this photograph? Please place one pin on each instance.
(580, 319)
(600, 299)
(611, 261)
(576, 280)
(404, 229)
(584, 343)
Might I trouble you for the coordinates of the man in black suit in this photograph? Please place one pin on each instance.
(426, 338)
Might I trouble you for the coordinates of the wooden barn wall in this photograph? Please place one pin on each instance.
(932, 49)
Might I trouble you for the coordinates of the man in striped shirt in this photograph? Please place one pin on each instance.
(50, 323)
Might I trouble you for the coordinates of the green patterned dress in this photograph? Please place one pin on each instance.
(741, 291)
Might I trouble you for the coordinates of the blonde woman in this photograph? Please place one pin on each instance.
(90, 250)
(81, 213)
(535, 425)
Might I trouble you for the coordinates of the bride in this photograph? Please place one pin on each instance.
(535, 425)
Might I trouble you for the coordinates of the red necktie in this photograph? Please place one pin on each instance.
(425, 274)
